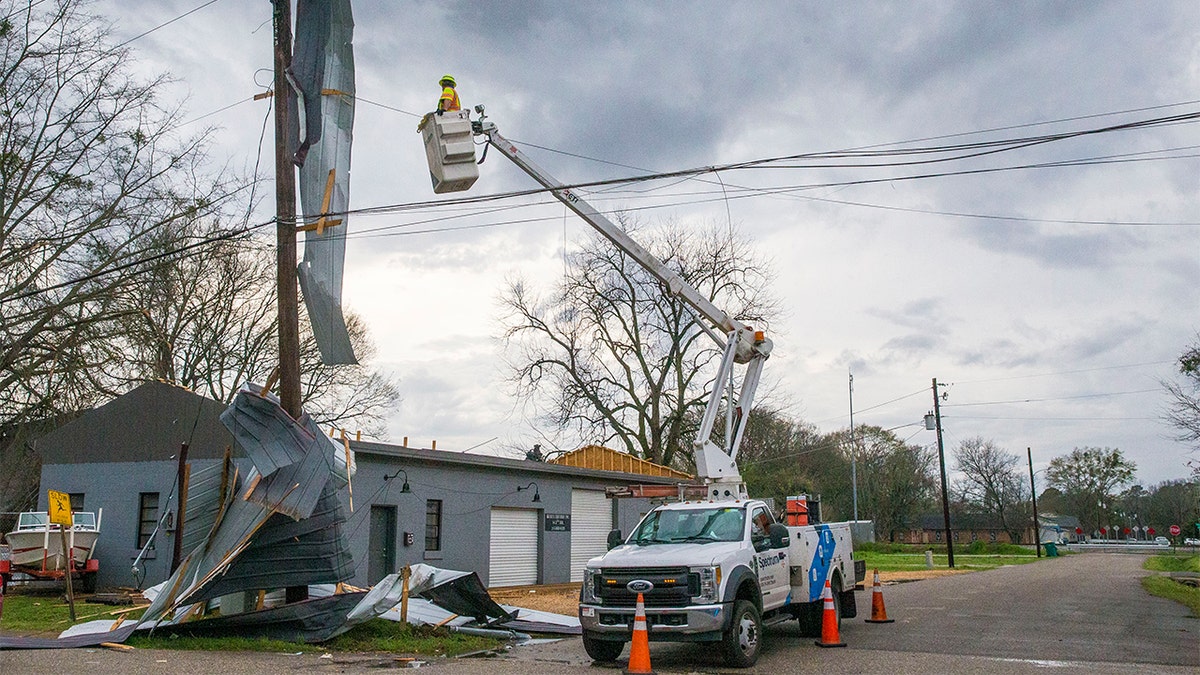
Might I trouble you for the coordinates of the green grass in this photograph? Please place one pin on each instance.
(49, 614)
(376, 635)
(1173, 563)
(1165, 587)
(977, 556)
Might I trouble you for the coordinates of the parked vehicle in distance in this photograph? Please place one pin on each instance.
(1162, 541)
(1191, 542)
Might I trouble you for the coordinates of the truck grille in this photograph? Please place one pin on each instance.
(673, 586)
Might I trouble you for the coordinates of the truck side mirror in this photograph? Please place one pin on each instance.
(615, 539)
(780, 537)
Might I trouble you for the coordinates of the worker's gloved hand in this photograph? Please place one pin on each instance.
(440, 111)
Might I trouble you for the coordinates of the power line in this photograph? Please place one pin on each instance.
(162, 25)
(1043, 400)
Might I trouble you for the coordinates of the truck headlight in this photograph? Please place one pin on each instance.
(710, 585)
(589, 586)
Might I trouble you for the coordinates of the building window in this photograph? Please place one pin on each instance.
(433, 525)
(147, 515)
(76, 501)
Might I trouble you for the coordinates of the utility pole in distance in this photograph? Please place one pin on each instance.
(1037, 531)
(937, 417)
(285, 221)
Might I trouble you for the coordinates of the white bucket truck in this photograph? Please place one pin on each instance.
(711, 570)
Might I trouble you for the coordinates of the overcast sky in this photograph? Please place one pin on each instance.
(1052, 300)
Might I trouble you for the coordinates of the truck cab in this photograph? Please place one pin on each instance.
(713, 571)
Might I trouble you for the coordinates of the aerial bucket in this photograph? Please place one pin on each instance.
(450, 150)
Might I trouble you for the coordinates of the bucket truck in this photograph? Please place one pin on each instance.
(715, 568)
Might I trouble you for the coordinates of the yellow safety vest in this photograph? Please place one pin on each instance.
(449, 100)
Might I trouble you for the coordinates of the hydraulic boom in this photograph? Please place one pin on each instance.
(741, 343)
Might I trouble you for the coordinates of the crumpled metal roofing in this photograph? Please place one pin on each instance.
(322, 131)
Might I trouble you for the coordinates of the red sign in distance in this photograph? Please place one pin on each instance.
(1104, 530)
(1152, 532)
(1175, 530)
(1079, 530)
(1127, 531)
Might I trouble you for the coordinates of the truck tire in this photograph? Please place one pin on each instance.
(604, 651)
(812, 614)
(742, 641)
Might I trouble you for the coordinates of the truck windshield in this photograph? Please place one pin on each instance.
(695, 525)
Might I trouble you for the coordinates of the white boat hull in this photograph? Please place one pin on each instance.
(33, 549)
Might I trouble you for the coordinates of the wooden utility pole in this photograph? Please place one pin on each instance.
(285, 221)
(285, 236)
(1037, 530)
(937, 416)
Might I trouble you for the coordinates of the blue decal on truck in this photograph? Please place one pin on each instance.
(819, 570)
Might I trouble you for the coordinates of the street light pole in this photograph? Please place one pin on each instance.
(937, 417)
(853, 452)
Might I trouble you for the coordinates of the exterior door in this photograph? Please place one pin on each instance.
(591, 520)
(381, 547)
(513, 547)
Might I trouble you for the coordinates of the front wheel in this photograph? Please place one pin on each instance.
(604, 651)
(741, 643)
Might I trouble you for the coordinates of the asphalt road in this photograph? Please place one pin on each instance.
(1079, 614)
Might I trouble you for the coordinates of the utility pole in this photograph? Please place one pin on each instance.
(937, 417)
(285, 237)
(1037, 531)
(853, 452)
(285, 221)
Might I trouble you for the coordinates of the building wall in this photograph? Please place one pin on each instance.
(115, 487)
(468, 495)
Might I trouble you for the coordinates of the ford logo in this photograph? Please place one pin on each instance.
(639, 586)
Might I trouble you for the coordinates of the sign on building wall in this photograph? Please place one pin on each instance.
(558, 522)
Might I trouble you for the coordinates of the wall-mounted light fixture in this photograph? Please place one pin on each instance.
(404, 489)
(537, 496)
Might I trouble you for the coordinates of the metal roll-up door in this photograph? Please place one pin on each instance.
(514, 547)
(591, 520)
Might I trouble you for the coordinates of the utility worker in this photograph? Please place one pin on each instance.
(449, 100)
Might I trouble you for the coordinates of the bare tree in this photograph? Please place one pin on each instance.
(1183, 412)
(613, 357)
(993, 484)
(207, 322)
(90, 168)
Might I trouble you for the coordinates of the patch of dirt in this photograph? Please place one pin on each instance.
(910, 575)
(557, 598)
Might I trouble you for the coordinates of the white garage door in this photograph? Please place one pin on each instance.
(591, 520)
(514, 547)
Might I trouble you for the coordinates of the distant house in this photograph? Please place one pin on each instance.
(965, 529)
(514, 522)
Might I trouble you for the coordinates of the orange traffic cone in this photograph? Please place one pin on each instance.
(829, 621)
(878, 613)
(639, 648)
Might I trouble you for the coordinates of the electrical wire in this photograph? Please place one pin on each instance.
(163, 25)
(1043, 400)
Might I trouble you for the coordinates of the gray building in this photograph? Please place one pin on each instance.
(514, 522)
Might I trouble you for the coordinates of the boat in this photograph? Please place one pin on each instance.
(38, 544)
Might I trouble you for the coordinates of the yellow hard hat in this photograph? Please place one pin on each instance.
(447, 78)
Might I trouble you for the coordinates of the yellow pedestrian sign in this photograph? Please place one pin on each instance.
(60, 508)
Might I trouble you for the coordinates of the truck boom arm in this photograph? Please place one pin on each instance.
(741, 343)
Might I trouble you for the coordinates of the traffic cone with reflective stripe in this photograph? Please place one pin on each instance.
(829, 621)
(639, 648)
(878, 613)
